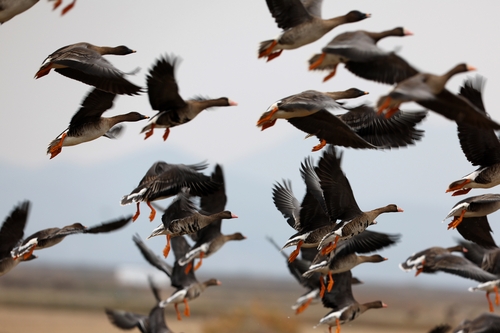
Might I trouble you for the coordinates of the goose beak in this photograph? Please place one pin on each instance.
(232, 103)
(471, 68)
(407, 32)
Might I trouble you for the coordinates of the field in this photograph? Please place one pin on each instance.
(56, 300)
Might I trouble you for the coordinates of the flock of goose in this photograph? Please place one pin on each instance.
(329, 214)
(331, 229)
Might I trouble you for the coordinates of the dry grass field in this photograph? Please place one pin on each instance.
(55, 300)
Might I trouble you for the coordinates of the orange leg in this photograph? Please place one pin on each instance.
(165, 135)
(489, 302)
(55, 150)
(296, 252)
(153, 212)
(458, 186)
(456, 220)
(68, 7)
(460, 192)
(57, 4)
(421, 269)
(137, 213)
(332, 74)
(28, 254)
(325, 250)
(177, 312)
(166, 250)
(266, 118)
(331, 247)
(43, 71)
(198, 265)
(384, 105)
(318, 62)
(150, 132)
(274, 55)
(497, 296)
(338, 326)
(322, 288)
(321, 144)
(330, 282)
(268, 51)
(188, 267)
(187, 313)
(304, 306)
(268, 124)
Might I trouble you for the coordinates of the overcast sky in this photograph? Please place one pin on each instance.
(218, 42)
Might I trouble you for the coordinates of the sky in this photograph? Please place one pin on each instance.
(218, 41)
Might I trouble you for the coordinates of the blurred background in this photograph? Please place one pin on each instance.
(218, 41)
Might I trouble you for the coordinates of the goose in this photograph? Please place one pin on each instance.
(361, 128)
(297, 269)
(341, 264)
(49, 237)
(305, 104)
(309, 218)
(488, 260)
(485, 323)
(435, 259)
(186, 284)
(470, 217)
(164, 180)
(12, 251)
(489, 287)
(344, 307)
(342, 205)
(480, 146)
(312, 282)
(11, 8)
(359, 52)
(173, 110)
(302, 25)
(153, 322)
(182, 217)
(84, 62)
(87, 124)
(428, 90)
(210, 239)
(345, 257)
